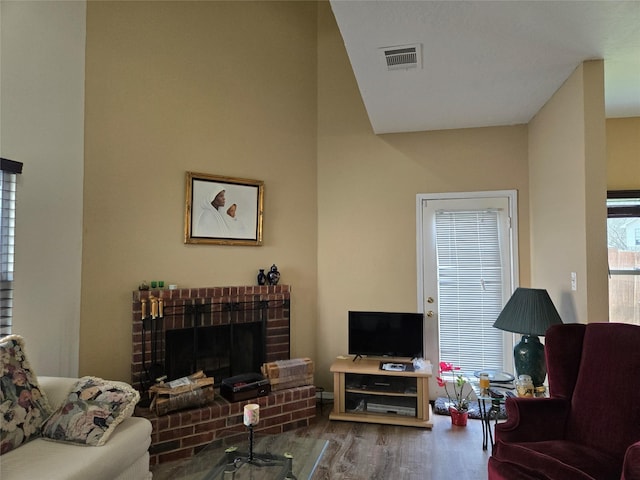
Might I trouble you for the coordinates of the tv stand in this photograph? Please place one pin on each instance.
(365, 393)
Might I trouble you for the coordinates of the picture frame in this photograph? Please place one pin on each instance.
(222, 210)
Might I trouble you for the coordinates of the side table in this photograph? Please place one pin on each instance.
(489, 407)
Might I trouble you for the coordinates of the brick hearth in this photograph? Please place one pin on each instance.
(182, 434)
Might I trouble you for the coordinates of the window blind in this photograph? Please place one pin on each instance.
(470, 285)
(8, 180)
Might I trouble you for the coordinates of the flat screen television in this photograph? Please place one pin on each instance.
(386, 334)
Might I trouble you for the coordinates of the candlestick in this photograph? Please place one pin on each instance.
(250, 443)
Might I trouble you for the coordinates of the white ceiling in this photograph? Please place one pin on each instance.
(486, 63)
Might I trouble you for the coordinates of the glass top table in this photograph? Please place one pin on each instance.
(489, 407)
(281, 457)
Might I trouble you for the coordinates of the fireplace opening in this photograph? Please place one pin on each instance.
(220, 351)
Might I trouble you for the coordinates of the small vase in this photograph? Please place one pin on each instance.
(262, 278)
(458, 419)
(274, 275)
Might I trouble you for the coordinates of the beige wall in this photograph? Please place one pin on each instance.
(172, 87)
(42, 125)
(367, 186)
(225, 88)
(567, 169)
(623, 153)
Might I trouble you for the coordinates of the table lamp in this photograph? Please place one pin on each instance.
(530, 312)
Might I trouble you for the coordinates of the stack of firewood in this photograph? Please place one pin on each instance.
(289, 373)
(187, 392)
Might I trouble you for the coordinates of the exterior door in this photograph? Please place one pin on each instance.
(467, 269)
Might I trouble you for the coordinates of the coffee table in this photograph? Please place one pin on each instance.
(274, 457)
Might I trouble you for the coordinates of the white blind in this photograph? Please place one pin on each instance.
(470, 288)
(7, 245)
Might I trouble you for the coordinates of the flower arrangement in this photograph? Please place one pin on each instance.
(459, 400)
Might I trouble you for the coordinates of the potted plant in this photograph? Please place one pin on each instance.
(459, 401)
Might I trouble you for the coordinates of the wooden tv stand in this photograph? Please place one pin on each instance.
(363, 392)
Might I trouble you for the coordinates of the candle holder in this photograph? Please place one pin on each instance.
(251, 418)
(250, 443)
(234, 459)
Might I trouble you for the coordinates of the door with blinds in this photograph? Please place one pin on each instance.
(467, 255)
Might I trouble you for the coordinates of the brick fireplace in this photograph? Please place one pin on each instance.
(197, 313)
(257, 318)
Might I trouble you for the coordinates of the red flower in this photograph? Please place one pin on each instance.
(447, 367)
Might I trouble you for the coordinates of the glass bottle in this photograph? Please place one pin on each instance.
(484, 383)
(524, 386)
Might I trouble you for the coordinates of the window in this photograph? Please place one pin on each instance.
(623, 240)
(10, 169)
(470, 288)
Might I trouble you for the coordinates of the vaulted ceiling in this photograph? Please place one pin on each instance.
(485, 63)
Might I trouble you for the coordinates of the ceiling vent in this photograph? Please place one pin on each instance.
(402, 57)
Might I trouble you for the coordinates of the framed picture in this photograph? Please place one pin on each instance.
(223, 210)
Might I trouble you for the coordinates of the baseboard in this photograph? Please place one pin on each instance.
(324, 395)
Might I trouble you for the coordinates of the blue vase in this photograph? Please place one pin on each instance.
(262, 278)
(274, 275)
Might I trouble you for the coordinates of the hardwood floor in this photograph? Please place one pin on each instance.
(361, 451)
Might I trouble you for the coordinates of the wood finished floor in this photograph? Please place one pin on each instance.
(360, 451)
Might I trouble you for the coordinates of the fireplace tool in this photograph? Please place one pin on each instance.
(152, 323)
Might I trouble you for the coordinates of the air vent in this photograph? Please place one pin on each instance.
(402, 57)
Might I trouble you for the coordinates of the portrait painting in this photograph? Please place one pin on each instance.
(223, 210)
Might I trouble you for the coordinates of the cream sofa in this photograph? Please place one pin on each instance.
(125, 456)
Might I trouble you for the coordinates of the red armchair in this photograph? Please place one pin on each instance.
(589, 427)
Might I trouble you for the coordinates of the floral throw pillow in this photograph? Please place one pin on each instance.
(23, 406)
(91, 412)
